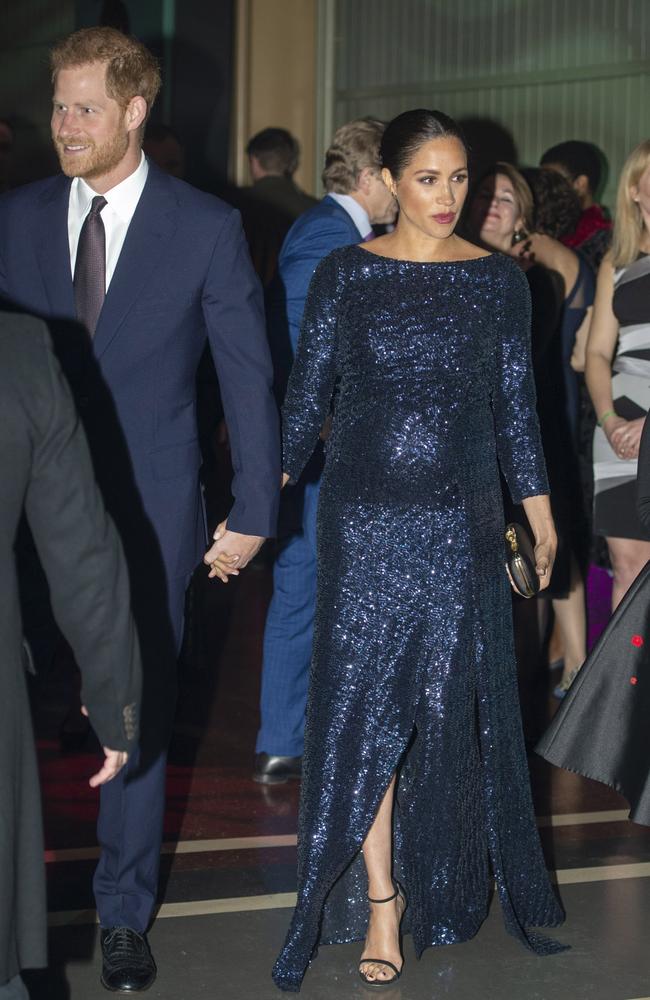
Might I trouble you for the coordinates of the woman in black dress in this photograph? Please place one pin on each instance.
(556, 211)
(413, 714)
(504, 214)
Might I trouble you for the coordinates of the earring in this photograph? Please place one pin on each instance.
(518, 236)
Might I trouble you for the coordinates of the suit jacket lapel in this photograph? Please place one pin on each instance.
(150, 231)
(53, 249)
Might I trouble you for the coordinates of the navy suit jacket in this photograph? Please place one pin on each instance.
(184, 273)
(325, 227)
(314, 234)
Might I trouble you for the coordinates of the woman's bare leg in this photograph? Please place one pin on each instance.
(628, 557)
(571, 617)
(382, 939)
(555, 644)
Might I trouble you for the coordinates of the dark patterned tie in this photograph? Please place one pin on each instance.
(90, 267)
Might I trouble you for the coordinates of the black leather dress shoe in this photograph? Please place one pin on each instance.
(273, 770)
(128, 965)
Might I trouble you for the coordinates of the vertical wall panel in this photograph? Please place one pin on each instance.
(546, 71)
(277, 85)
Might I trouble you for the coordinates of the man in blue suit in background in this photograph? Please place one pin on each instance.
(356, 199)
(148, 267)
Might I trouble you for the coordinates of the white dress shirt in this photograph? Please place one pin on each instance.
(356, 212)
(122, 201)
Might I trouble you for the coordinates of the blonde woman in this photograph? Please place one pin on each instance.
(618, 373)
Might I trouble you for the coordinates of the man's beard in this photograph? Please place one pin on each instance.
(96, 160)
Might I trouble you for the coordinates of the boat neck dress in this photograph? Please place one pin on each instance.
(413, 666)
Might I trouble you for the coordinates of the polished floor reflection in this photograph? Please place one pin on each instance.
(229, 864)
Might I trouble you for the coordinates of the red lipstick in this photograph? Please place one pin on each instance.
(446, 218)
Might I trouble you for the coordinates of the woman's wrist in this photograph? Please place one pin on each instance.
(606, 415)
(545, 535)
(543, 529)
(540, 518)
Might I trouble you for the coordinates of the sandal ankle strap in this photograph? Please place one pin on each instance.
(387, 900)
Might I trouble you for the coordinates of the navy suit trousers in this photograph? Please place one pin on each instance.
(130, 823)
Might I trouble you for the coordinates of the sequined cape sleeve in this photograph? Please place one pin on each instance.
(313, 375)
(519, 445)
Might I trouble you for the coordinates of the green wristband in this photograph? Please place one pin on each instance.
(603, 417)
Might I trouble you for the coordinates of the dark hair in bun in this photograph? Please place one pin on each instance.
(410, 130)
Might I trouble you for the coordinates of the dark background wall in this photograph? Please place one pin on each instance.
(541, 70)
(192, 39)
(201, 87)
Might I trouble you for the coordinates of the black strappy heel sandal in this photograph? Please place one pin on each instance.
(383, 961)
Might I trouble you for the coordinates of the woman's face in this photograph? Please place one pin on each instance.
(432, 188)
(495, 213)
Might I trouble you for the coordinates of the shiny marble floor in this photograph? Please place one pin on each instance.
(229, 865)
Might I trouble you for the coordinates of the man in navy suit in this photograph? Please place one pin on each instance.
(149, 267)
(356, 199)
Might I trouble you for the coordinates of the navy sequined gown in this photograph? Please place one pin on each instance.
(413, 663)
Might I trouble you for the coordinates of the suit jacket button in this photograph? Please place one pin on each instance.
(129, 717)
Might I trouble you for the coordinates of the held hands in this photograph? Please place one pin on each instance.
(114, 761)
(231, 552)
(624, 435)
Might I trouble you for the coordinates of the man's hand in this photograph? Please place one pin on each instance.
(231, 552)
(114, 761)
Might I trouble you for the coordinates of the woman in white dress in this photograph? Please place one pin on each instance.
(618, 373)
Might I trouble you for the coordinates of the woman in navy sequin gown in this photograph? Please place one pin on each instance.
(414, 750)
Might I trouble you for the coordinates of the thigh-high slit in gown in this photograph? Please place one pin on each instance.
(413, 665)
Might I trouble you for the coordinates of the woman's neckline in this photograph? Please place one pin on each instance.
(426, 263)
